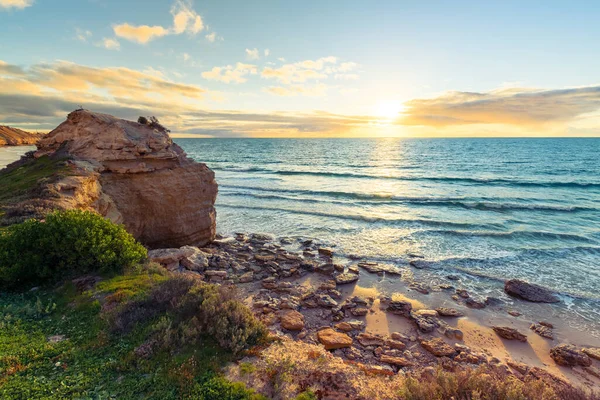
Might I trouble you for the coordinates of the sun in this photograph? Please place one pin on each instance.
(389, 109)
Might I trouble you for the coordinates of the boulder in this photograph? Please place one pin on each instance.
(569, 356)
(292, 321)
(332, 340)
(530, 292)
(542, 330)
(509, 333)
(136, 176)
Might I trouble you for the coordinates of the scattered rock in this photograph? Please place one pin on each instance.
(325, 300)
(449, 312)
(376, 268)
(325, 251)
(542, 330)
(475, 302)
(514, 313)
(463, 293)
(508, 333)
(247, 277)
(292, 320)
(530, 292)
(438, 347)
(593, 352)
(398, 361)
(332, 340)
(345, 278)
(569, 356)
(56, 338)
(367, 339)
(519, 367)
(400, 307)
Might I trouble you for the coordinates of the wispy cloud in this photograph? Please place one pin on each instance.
(185, 20)
(18, 4)
(109, 44)
(231, 74)
(252, 54)
(513, 106)
(82, 35)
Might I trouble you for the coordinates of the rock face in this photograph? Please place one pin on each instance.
(529, 292)
(145, 180)
(16, 137)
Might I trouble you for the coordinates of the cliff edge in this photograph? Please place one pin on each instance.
(16, 137)
(129, 172)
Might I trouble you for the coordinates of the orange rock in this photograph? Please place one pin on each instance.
(333, 340)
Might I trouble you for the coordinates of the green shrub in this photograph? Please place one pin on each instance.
(185, 309)
(218, 388)
(66, 243)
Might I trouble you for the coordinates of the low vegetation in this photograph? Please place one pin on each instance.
(66, 243)
(65, 344)
(25, 187)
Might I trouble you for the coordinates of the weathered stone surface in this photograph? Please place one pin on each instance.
(398, 361)
(345, 278)
(395, 344)
(367, 339)
(449, 312)
(376, 268)
(247, 277)
(593, 352)
(333, 340)
(348, 326)
(438, 347)
(530, 292)
(508, 333)
(325, 300)
(399, 307)
(542, 330)
(292, 320)
(145, 181)
(569, 356)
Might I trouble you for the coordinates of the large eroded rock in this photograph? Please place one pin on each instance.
(146, 181)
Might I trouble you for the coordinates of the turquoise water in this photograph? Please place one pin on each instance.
(489, 208)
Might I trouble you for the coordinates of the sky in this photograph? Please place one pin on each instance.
(239, 68)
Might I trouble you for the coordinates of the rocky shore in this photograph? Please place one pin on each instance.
(305, 294)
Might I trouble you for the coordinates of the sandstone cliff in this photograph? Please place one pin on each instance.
(132, 174)
(16, 137)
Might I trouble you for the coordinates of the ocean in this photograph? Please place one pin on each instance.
(485, 209)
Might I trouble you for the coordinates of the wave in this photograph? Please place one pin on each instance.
(385, 198)
(513, 235)
(360, 218)
(443, 179)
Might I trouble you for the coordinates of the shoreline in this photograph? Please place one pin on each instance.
(291, 286)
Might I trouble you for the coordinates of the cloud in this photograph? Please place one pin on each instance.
(82, 35)
(185, 20)
(211, 37)
(140, 34)
(110, 44)
(18, 4)
(295, 90)
(252, 54)
(229, 73)
(66, 77)
(267, 52)
(186, 57)
(299, 72)
(513, 106)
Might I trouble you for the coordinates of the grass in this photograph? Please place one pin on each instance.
(21, 180)
(88, 361)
